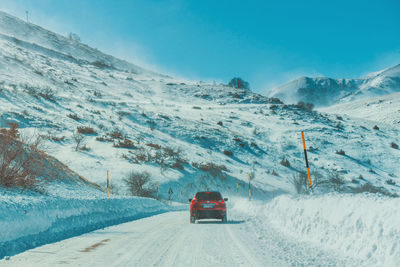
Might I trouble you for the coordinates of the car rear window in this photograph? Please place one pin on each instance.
(208, 196)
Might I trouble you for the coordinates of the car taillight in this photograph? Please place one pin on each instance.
(221, 201)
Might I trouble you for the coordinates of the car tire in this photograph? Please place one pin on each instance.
(225, 218)
(192, 219)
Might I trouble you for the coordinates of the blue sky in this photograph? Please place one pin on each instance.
(265, 42)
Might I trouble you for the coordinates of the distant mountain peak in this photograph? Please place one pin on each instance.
(325, 91)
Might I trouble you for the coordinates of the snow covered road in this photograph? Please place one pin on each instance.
(162, 240)
(169, 240)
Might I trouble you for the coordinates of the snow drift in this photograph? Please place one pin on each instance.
(365, 227)
(28, 221)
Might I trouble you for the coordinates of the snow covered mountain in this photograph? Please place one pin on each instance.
(323, 91)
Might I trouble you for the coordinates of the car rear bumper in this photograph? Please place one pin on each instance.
(208, 214)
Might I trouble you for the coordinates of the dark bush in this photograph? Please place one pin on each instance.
(124, 143)
(155, 146)
(73, 116)
(220, 123)
(239, 83)
(177, 165)
(285, 162)
(85, 130)
(104, 139)
(213, 169)
(116, 134)
(101, 65)
(394, 145)
(305, 106)
(390, 182)
(340, 152)
(370, 188)
(376, 127)
(228, 153)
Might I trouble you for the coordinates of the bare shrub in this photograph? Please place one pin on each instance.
(20, 164)
(104, 139)
(139, 184)
(336, 181)
(85, 130)
(155, 146)
(73, 116)
(79, 139)
(370, 188)
(300, 183)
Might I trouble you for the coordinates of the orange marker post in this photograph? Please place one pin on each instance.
(108, 184)
(237, 187)
(305, 156)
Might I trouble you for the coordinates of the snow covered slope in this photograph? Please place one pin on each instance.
(323, 91)
(188, 135)
(35, 37)
(380, 109)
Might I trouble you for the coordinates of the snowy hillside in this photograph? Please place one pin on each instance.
(380, 109)
(323, 91)
(187, 135)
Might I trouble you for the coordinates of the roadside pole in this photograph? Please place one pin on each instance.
(108, 184)
(249, 189)
(157, 189)
(305, 156)
(237, 188)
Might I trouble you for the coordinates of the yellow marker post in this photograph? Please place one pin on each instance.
(108, 184)
(305, 156)
(237, 187)
(249, 189)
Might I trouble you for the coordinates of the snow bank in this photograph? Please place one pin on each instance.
(28, 222)
(366, 227)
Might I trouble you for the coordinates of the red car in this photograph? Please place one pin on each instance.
(208, 205)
